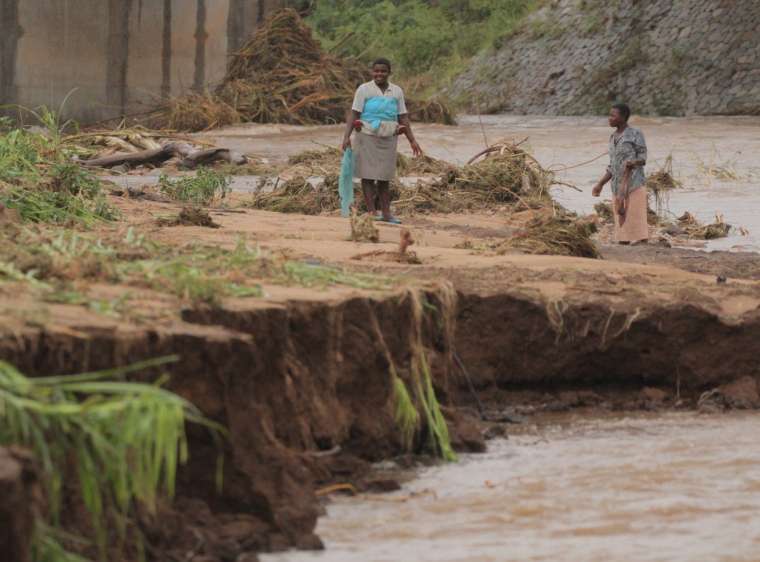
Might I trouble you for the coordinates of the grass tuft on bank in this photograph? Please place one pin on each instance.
(113, 444)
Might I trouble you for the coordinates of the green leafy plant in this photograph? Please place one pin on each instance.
(200, 189)
(120, 441)
(428, 41)
(406, 416)
(438, 432)
(39, 178)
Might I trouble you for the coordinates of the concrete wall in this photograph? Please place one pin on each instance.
(121, 56)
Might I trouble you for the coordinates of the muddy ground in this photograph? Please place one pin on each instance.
(301, 375)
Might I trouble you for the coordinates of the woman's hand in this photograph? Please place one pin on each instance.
(597, 190)
(416, 150)
(346, 144)
(631, 164)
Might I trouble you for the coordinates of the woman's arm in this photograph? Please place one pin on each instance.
(638, 152)
(597, 191)
(407, 129)
(353, 116)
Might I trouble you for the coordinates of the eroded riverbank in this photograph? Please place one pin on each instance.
(293, 336)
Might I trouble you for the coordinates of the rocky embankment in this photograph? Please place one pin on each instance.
(663, 57)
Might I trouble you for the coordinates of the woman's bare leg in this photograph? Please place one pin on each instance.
(368, 189)
(384, 191)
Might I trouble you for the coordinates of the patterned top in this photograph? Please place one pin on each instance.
(628, 146)
(371, 90)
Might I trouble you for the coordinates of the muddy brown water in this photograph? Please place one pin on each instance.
(716, 158)
(661, 487)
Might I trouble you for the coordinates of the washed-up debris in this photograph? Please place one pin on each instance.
(131, 148)
(659, 184)
(297, 195)
(190, 216)
(697, 230)
(561, 233)
(505, 175)
(281, 75)
(363, 228)
(402, 255)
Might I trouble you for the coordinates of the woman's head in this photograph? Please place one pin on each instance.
(619, 114)
(381, 69)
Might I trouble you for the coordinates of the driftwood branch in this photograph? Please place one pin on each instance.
(155, 156)
(200, 157)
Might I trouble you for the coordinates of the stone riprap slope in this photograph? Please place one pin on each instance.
(664, 57)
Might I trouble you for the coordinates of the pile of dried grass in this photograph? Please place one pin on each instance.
(421, 166)
(189, 216)
(281, 75)
(431, 111)
(299, 196)
(695, 229)
(660, 184)
(327, 161)
(324, 162)
(195, 112)
(505, 176)
(561, 234)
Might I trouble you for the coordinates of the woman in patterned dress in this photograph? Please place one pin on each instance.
(628, 155)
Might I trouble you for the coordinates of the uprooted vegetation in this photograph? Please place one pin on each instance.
(504, 177)
(561, 234)
(62, 264)
(39, 180)
(281, 75)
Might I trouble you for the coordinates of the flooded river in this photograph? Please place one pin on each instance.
(666, 487)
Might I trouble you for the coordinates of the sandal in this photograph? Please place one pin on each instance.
(391, 220)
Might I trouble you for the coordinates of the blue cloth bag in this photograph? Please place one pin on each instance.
(346, 182)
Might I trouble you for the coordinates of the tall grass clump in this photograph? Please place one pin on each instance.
(406, 416)
(115, 444)
(439, 440)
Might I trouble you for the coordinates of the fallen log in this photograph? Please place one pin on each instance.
(143, 157)
(200, 157)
